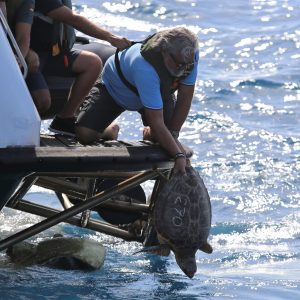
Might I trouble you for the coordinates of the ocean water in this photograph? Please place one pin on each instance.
(244, 128)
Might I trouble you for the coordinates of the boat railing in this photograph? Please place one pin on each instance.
(14, 44)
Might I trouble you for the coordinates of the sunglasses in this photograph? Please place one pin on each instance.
(180, 65)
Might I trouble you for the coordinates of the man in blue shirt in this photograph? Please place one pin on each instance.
(143, 78)
(83, 65)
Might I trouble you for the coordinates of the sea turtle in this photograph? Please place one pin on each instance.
(59, 252)
(182, 219)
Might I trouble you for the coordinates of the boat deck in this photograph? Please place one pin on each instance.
(64, 154)
(70, 169)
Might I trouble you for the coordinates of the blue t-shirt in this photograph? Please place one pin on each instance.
(140, 74)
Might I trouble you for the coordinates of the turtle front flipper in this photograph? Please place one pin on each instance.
(206, 247)
(162, 250)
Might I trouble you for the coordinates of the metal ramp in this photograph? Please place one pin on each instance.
(69, 169)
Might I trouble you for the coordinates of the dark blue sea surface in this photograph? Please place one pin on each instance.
(244, 128)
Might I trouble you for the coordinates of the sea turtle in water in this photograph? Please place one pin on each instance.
(182, 219)
(59, 252)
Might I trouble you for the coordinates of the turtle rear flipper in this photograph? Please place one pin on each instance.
(162, 250)
(206, 247)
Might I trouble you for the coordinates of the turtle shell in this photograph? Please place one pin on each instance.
(182, 211)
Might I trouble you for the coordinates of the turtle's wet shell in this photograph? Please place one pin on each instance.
(182, 211)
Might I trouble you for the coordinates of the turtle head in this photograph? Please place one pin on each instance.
(187, 263)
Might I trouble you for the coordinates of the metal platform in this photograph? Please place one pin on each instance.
(60, 154)
(71, 170)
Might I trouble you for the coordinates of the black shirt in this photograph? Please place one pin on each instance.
(41, 31)
(19, 12)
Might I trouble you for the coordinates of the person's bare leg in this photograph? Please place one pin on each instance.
(148, 135)
(41, 99)
(88, 67)
(111, 132)
(87, 136)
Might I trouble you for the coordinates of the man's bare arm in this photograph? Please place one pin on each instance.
(22, 35)
(183, 105)
(155, 120)
(81, 23)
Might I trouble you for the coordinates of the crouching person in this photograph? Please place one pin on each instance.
(144, 78)
(20, 15)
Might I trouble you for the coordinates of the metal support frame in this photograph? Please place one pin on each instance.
(92, 224)
(24, 187)
(54, 217)
(89, 193)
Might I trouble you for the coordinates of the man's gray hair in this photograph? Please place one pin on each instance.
(176, 40)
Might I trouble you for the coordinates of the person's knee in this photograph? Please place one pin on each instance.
(85, 135)
(33, 61)
(88, 62)
(41, 99)
(95, 63)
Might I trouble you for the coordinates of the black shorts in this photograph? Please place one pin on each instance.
(59, 65)
(51, 66)
(99, 109)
